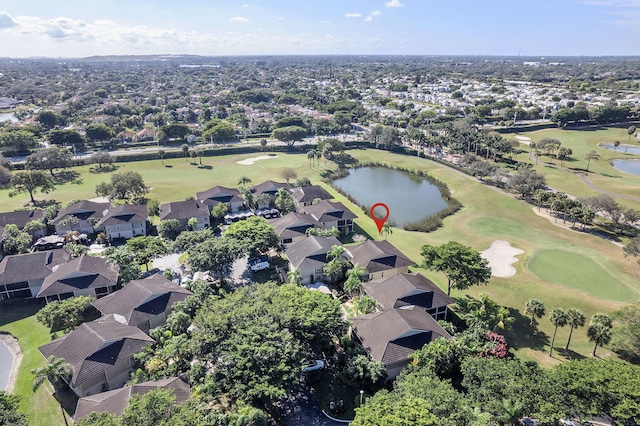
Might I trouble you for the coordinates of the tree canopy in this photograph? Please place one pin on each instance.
(31, 181)
(123, 185)
(254, 235)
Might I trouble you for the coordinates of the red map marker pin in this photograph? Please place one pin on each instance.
(379, 222)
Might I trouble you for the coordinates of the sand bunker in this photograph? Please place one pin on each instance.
(500, 256)
(523, 138)
(250, 161)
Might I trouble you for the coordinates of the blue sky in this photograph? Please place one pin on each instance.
(73, 28)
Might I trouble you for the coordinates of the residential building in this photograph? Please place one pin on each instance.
(100, 354)
(82, 276)
(332, 215)
(20, 218)
(306, 195)
(144, 303)
(125, 221)
(22, 275)
(392, 335)
(182, 211)
(81, 217)
(292, 227)
(220, 194)
(379, 259)
(405, 290)
(265, 192)
(115, 401)
(309, 257)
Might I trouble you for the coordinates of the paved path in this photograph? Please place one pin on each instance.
(300, 409)
(587, 182)
(169, 261)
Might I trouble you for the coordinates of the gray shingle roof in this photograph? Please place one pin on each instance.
(124, 213)
(269, 187)
(407, 289)
(19, 218)
(328, 211)
(310, 252)
(117, 400)
(95, 346)
(376, 256)
(294, 225)
(79, 273)
(218, 194)
(182, 210)
(83, 210)
(141, 300)
(391, 336)
(30, 266)
(307, 194)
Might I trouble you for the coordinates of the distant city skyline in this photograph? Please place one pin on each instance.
(72, 28)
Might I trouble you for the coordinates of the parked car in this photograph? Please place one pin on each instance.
(317, 364)
(259, 263)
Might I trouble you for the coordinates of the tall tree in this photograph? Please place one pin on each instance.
(558, 318)
(534, 308)
(215, 254)
(591, 155)
(626, 334)
(31, 181)
(630, 131)
(462, 265)
(599, 330)
(145, 248)
(254, 235)
(575, 319)
(49, 159)
(284, 201)
(124, 185)
(55, 371)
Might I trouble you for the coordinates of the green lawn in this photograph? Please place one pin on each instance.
(487, 215)
(579, 272)
(40, 407)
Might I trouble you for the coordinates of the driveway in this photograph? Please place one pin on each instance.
(169, 261)
(300, 409)
(241, 273)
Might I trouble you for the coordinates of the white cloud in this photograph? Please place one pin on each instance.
(239, 19)
(6, 21)
(368, 18)
(353, 15)
(394, 3)
(375, 13)
(246, 6)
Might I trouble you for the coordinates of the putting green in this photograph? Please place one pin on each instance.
(579, 272)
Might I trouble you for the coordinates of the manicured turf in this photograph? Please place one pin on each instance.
(579, 272)
(40, 407)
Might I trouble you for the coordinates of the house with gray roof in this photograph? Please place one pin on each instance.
(332, 215)
(292, 227)
(99, 352)
(22, 275)
(125, 221)
(220, 194)
(82, 276)
(379, 259)
(144, 303)
(305, 195)
(309, 257)
(81, 217)
(20, 218)
(265, 192)
(392, 335)
(115, 401)
(182, 211)
(413, 289)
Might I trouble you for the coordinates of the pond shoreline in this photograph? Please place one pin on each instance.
(14, 346)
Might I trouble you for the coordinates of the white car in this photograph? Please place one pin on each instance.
(318, 364)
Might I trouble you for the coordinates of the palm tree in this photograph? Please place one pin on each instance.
(311, 155)
(335, 252)
(616, 144)
(318, 156)
(200, 155)
(503, 319)
(576, 319)
(243, 181)
(55, 371)
(387, 229)
(161, 153)
(591, 155)
(353, 284)
(185, 151)
(535, 309)
(263, 144)
(600, 333)
(510, 411)
(295, 277)
(558, 318)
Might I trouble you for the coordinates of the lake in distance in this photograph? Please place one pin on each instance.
(409, 197)
(6, 361)
(627, 166)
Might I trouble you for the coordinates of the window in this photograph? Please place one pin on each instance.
(17, 286)
(287, 241)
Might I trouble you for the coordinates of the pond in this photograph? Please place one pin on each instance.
(410, 198)
(627, 166)
(6, 361)
(629, 149)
